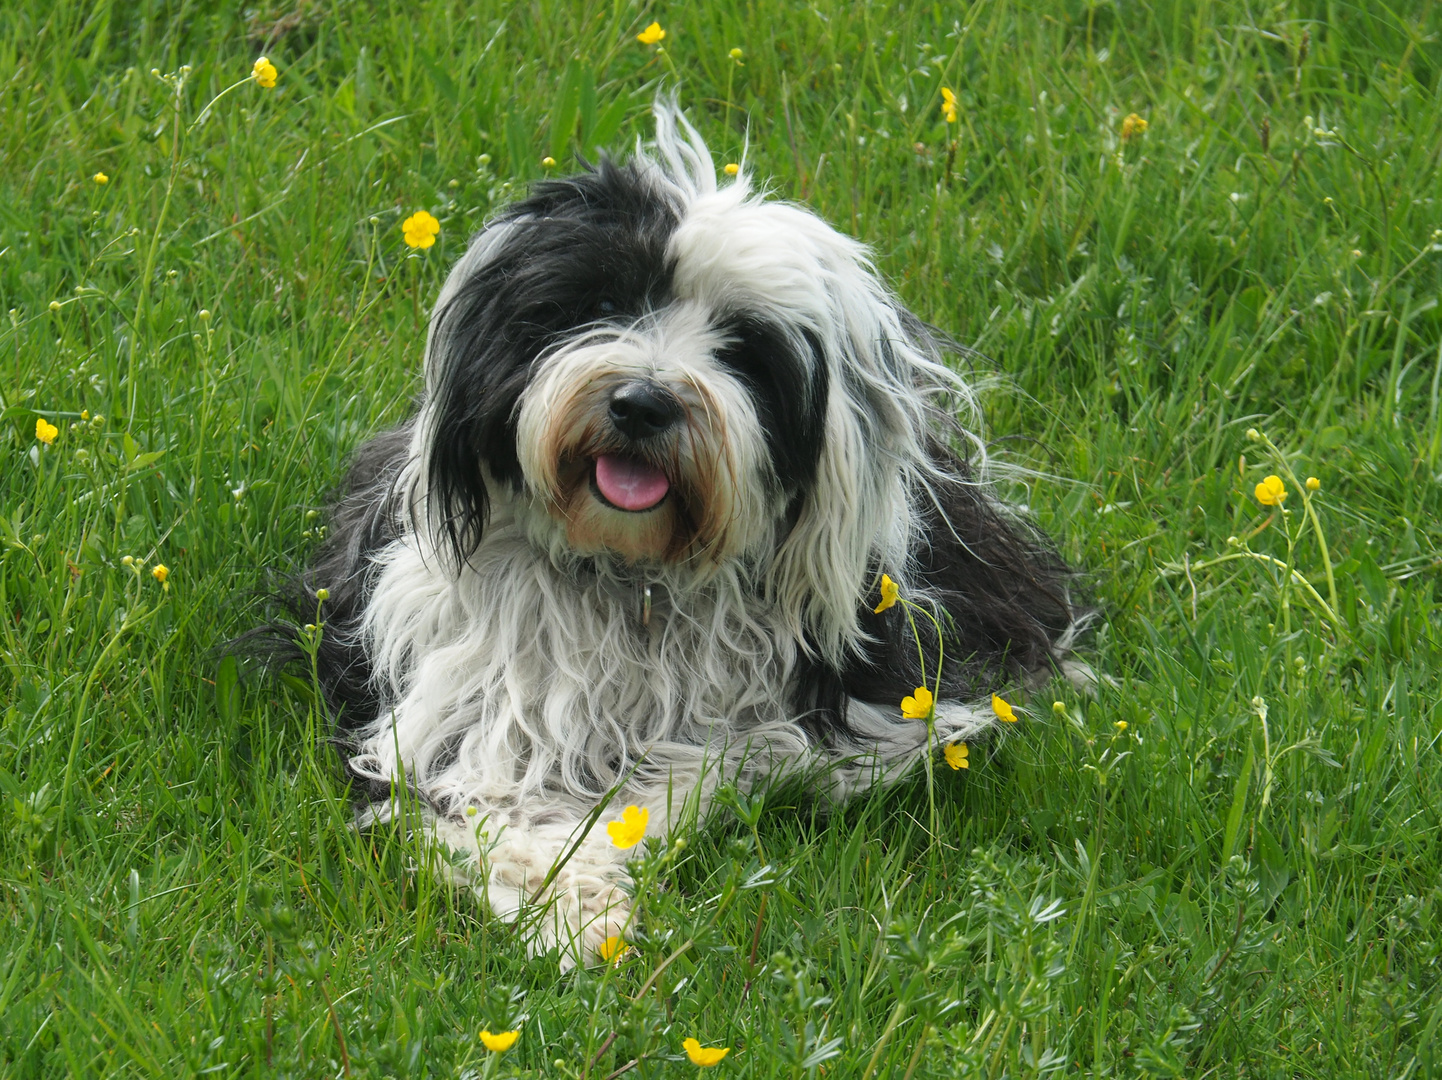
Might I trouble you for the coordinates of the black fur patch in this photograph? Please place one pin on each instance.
(359, 526)
(361, 523)
(581, 250)
(1003, 600)
(788, 382)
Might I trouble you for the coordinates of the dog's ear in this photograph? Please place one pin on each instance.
(527, 280)
(476, 369)
(860, 512)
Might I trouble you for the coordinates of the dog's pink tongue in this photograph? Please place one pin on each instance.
(630, 484)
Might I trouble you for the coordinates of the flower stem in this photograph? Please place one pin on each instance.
(908, 606)
(1296, 575)
(1311, 512)
(127, 624)
(1321, 545)
(142, 307)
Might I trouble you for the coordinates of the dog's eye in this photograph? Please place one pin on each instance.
(605, 307)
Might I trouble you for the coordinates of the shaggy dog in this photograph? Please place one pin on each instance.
(672, 435)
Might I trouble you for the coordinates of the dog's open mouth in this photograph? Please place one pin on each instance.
(628, 484)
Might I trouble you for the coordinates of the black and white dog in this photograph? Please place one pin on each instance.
(672, 435)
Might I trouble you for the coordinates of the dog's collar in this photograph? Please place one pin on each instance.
(645, 605)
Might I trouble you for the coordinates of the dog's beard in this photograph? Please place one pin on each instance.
(712, 465)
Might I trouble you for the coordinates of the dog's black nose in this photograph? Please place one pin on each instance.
(641, 409)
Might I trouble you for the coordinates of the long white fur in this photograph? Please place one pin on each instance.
(521, 686)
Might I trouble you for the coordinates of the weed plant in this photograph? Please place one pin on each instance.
(1225, 864)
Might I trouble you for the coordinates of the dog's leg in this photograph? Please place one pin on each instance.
(505, 858)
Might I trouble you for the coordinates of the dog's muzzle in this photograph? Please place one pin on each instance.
(640, 411)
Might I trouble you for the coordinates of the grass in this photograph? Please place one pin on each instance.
(1242, 881)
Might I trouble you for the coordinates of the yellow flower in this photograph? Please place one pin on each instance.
(631, 828)
(1313, 484)
(651, 35)
(161, 573)
(889, 593)
(1271, 491)
(611, 948)
(948, 105)
(956, 754)
(1133, 126)
(732, 168)
(917, 707)
(1002, 709)
(548, 161)
(45, 431)
(501, 1042)
(101, 178)
(264, 72)
(420, 229)
(1120, 725)
(705, 1056)
(735, 54)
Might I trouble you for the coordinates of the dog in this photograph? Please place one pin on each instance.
(673, 434)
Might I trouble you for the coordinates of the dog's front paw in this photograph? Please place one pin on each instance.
(580, 914)
(575, 911)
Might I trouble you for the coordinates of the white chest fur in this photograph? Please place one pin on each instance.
(521, 679)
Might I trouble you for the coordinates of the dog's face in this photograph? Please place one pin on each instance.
(665, 373)
(677, 422)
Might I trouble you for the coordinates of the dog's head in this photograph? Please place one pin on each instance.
(664, 375)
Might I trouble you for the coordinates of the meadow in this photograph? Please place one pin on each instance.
(1196, 245)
